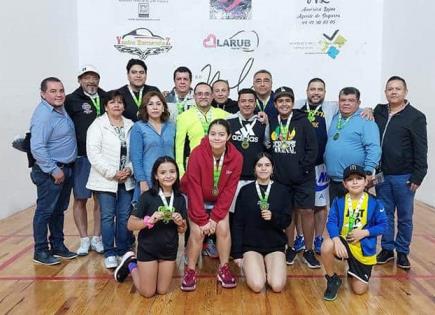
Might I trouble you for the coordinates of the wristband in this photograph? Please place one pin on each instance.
(147, 221)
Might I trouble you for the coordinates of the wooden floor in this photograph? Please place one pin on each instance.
(84, 286)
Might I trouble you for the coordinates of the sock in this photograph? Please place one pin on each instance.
(132, 266)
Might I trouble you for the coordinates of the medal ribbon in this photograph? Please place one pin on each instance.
(312, 113)
(204, 119)
(341, 123)
(260, 107)
(137, 100)
(283, 130)
(181, 105)
(353, 214)
(248, 127)
(168, 209)
(263, 199)
(96, 102)
(217, 170)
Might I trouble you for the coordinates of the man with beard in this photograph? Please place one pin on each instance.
(83, 106)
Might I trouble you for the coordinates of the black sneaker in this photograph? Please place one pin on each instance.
(44, 258)
(402, 261)
(290, 255)
(332, 286)
(63, 252)
(384, 256)
(121, 272)
(310, 259)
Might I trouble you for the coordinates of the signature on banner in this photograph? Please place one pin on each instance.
(208, 75)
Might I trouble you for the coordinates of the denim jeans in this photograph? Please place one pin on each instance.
(395, 193)
(115, 210)
(53, 200)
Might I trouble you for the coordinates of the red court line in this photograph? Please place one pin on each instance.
(15, 257)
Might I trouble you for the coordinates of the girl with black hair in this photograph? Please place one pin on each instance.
(159, 217)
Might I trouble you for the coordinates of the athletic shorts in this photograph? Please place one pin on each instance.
(321, 186)
(156, 252)
(240, 184)
(357, 269)
(264, 252)
(81, 170)
(303, 194)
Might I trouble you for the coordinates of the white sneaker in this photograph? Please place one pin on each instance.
(110, 262)
(97, 244)
(85, 243)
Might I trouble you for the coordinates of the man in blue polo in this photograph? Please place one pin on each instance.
(53, 145)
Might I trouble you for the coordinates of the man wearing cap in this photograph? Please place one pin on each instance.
(351, 140)
(135, 90)
(293, 145)
(53, 145)
(180, 98)
(262, 83)
(83, 106)
(221, 97)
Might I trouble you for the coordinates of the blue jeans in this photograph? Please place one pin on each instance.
(115, 210)
(395, 193)
(53, 200)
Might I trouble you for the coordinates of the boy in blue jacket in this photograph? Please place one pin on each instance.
(354, 223)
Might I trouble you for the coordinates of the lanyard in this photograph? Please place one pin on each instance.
(204, 119)
(353, 214)
(312, 113)
(137, 100)
(167, 209)
(264, 205)
(262, 108)
(283, 130)
(340, 125)
(217, 170)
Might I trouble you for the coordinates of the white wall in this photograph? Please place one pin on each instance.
(39, 39)
(408, 51)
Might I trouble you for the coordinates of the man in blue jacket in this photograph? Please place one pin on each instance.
(354, 222)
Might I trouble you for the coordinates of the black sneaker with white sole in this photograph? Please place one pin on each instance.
(63, 252)
(332, 286)
(121, 272)
(310, 259)
(290, 255)
(402, 261)
(384, 256)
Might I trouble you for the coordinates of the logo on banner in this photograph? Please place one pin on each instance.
(246, 41)
(142, 42)
(144, 9)
(230, 9)
(332, 44)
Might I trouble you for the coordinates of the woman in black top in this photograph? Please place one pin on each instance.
(262, 213)
(159, 217)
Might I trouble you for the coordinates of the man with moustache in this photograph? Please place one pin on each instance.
(83, 106)
(180, 98)
(54, 147)
(134, 91)
(221, 97)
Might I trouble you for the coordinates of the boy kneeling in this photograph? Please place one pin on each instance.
(354, 222)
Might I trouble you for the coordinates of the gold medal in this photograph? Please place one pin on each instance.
(245, 144)
(215, 191)
(264, 205)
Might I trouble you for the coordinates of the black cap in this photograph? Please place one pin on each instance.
(283, 91)
(354, 169)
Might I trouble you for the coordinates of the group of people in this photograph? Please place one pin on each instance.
(250, 179)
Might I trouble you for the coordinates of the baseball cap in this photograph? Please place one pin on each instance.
(353, 169)
(283, 91)
(88, 68)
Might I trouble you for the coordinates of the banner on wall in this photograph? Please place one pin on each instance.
(231, 39)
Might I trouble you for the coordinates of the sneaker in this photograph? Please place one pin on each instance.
(225, 277)
(85, 244)
(121, 272)
(318, 244)
(44, 258)
(332, 286)
(402, 261)
(384, 256)
(63, 252)
(189, 280)
(299, 243)
(110, 262)
(310, 259)
(290, 255)
(97, 244)
(211, 249)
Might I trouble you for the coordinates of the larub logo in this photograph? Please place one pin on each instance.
(246, 41)
(142, 43)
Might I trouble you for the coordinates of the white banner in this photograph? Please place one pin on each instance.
(336, 40)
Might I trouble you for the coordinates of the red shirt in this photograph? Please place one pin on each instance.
(197, 182)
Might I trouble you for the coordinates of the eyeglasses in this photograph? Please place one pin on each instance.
(200, 94)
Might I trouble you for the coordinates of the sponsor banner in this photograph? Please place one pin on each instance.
(232, 39)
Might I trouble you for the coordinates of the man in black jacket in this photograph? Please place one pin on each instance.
(404, 165)
(221, 97)
(83, 106)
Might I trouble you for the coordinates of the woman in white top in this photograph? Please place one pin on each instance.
(111, 173)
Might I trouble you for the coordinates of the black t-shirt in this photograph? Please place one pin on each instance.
(162, 234)
(319, 125)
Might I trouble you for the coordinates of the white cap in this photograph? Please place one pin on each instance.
(87, 68)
